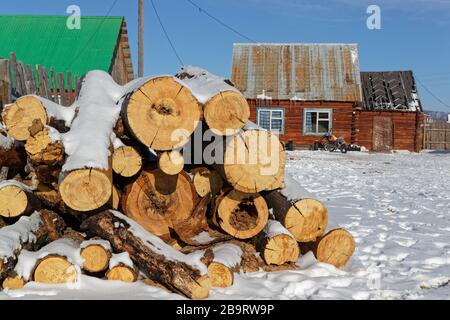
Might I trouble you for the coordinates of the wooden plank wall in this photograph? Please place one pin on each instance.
(407, 129)
(17, 79)
(343, 117)
(436, 135)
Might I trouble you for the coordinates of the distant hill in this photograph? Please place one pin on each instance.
(438, 115)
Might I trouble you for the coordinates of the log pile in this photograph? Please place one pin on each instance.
(103, 188)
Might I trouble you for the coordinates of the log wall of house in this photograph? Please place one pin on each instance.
(407, 128)
(342, 115)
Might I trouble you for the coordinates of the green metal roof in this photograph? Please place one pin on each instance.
(46, 40)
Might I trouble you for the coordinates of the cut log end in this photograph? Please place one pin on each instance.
(126, 161)
(199, 289)
(254, 162)
(207, 181)
(13, 283)
(19, 117)
(55, 270)
(241, 215)
(171, 162)
(14, 201)
(307, 220)
(281, 249)
(157, 201)
(41, 149)
(221, 276)
(227, 113)
(336, 248)
(86, 190)
(160, 109)
(122, 273)
(115, 198)
(96, 258)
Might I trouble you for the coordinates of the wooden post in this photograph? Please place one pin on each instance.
(54, 90)
(141, 38)
(69, 88)
(62, 88)
(5, 82)
(15, 71)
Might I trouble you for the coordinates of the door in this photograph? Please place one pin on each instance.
(382, 134)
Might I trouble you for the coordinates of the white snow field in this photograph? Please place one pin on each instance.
(397, 206)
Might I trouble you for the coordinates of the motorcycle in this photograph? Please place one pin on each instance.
(331, 143)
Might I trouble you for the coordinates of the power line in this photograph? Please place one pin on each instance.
(93, 35)
(433, 95)
(166, 34)
(221, 22)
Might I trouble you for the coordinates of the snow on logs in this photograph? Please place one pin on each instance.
(301, 214)
(225, 109)
(277, 245)
(161, 113)
(181, 273)
(19, 116)
(226, 261)
(29, 233)
(86, 181)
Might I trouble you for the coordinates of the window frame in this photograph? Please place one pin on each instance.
(317, 110)
(271, 110)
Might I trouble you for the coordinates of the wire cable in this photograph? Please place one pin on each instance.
(221, 22)
(433, 95)
(166, 34)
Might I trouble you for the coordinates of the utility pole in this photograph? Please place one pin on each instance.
(141, 39)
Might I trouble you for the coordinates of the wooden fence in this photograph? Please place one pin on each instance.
(436, 135)
(18, 79)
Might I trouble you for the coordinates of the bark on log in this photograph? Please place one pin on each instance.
(277, 245)
(159, 202)
(303, 216)
(336, 247)
(241, 215)
(156, 260)
(13, 158)
(39, 229)
(195, 230)
(254, 161)
(157, 110)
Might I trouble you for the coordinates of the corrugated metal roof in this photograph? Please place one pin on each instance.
(312, 72)
(391, 90)
(47, 41)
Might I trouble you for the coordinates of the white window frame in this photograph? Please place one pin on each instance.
(271, 110)
(317, 110)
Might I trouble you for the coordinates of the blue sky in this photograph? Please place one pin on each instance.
(415, 34)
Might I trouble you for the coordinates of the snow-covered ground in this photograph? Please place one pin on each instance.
(397, 206)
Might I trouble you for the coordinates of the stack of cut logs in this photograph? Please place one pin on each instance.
(102, 188)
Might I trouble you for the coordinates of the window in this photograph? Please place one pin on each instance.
(271, 119)
(317, 121)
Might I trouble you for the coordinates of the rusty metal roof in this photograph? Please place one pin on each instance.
(312, 72)
(391, 90)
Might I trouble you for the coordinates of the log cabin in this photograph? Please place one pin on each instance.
(302, 91)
